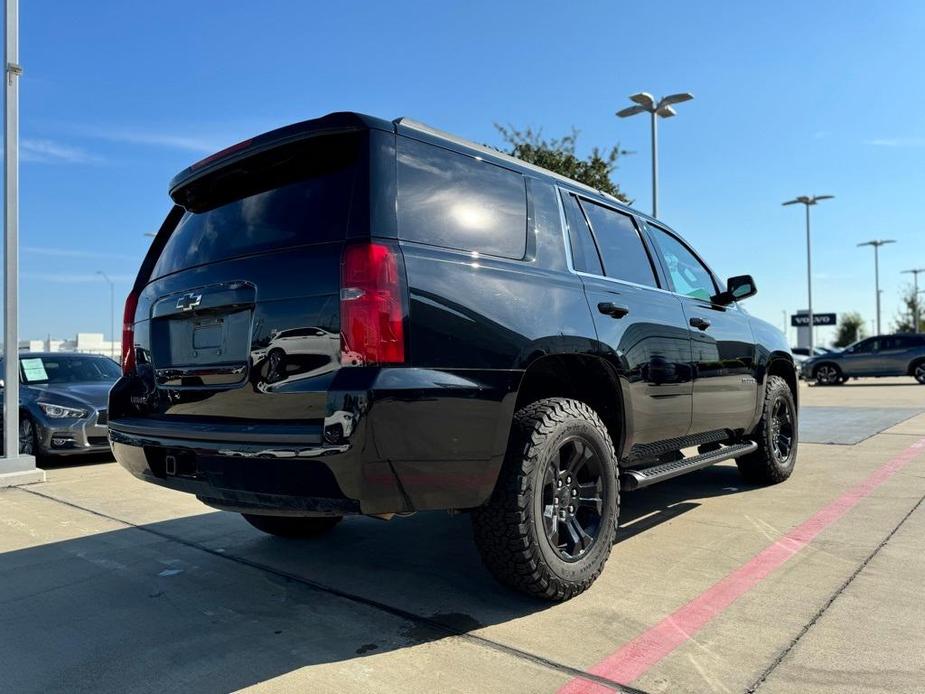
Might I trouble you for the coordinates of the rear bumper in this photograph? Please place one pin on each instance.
(392, 440)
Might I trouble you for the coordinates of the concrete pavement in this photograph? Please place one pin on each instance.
(108, 584)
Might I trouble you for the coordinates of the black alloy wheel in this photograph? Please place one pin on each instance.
(573, 494)
(782, 426)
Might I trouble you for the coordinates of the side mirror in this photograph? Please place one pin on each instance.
(737, 288)
(2, 383)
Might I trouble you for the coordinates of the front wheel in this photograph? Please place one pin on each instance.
(777, 437)
(27, 436)
(293, 526)
(549, 526)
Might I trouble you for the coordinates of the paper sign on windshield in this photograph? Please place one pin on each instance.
(34, 370)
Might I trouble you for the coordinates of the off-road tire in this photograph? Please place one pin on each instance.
(764, 466)
(293, 526)
(509, 529)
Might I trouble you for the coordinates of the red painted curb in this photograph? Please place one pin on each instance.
(634, 659)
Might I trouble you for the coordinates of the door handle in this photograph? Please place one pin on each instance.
(610, 309)
(699, 323)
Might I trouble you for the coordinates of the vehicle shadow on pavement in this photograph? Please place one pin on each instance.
(646, 508)
(207, 603)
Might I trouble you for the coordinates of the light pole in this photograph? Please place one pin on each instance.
(915, 306)
(645, 102)
(15, 467)
(112, 314)
(808, 201)
(876, 243)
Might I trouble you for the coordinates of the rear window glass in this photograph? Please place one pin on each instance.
(280, 199)
(456, 201)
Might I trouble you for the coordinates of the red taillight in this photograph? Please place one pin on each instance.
(371, 314)
(128, 333)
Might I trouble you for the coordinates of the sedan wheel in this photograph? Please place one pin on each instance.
(26, 436)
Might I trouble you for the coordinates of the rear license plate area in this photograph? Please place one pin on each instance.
(197, 351)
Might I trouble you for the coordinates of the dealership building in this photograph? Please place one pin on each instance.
(84, 343)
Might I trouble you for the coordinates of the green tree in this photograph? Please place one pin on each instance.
(850, 329)
(912, 304)
(559, 155)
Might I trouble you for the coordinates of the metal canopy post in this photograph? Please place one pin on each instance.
(14, 468)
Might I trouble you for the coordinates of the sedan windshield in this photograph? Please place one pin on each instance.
(68, 369)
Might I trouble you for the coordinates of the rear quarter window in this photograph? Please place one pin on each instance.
(456, 201)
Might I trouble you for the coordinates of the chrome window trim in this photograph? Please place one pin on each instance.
(519, 164)
(568, 252)
(687, 246)
(578, 273)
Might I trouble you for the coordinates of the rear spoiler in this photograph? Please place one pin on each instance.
(330, 124)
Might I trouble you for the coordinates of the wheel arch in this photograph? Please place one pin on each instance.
(781, 364)
(585, 377)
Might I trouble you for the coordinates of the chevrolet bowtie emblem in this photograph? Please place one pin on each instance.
(188, 302)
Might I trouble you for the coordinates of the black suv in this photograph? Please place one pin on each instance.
(356, 316)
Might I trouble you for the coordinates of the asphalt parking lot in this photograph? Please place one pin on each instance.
(109, 584)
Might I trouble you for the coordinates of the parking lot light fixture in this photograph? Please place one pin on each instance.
(876, 243)
(808, 201)
(112, 314)
(915, 306)
(661, 108)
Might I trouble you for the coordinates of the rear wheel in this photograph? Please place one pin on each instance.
(918, 372)
(549, 527)
(293, 526)
(776, 436)
(829, 375)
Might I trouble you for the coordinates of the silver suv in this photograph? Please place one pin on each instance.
(884, 355)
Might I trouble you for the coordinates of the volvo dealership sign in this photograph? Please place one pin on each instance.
(801, 320)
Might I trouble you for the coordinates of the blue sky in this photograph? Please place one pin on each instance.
(791, 98)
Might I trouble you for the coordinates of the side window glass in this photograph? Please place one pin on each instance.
(584, 252)
(456, 201)
(687, 273)
(624, 255)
